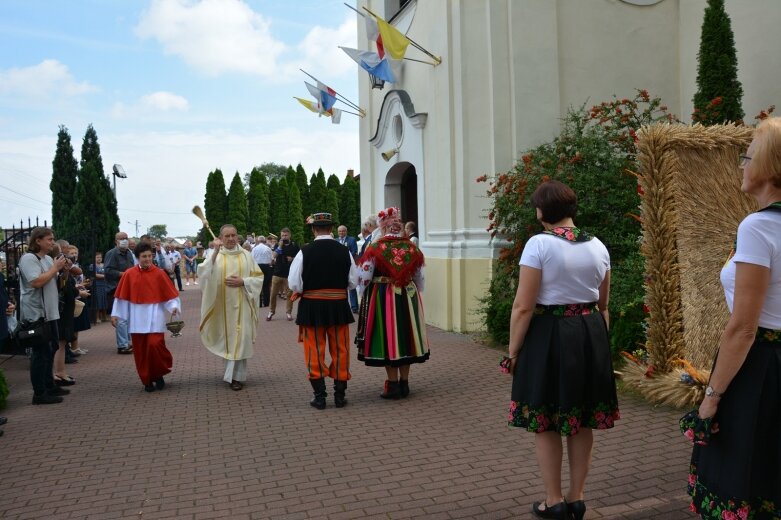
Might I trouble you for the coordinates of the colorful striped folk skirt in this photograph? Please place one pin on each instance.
(391, 327)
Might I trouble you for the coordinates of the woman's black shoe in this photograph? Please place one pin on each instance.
(577, 509)
(160, 383)
(149, 388)
(403, 388)
(558, 512)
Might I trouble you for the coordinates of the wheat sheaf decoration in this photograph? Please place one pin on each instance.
(691, 207)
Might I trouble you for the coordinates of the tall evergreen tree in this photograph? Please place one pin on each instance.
(719, 93)
(104, 205)
(333, 183)
(215, 203)
(237, 205)
(91, 215)
(274, 215)
(317, 192)
(349, 207)
(257, 203)
(283, 194)
(290, 176)
(332, 205)
(63, 184)
(90, 150)
(295, 214)
(303, 188)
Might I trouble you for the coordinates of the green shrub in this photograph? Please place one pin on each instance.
(3, 390)
(595, 155)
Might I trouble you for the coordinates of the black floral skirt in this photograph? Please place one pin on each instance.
(738, 474)
(564, 378)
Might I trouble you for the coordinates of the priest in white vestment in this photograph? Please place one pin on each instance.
(231, 283)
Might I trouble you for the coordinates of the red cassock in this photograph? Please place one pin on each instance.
(142, 297)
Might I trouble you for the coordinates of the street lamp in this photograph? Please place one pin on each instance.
(117, 171)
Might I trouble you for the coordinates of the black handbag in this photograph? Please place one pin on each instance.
(33, 333)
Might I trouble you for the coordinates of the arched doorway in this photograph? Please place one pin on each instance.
(401, 189)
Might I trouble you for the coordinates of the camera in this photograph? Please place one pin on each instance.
(285, 241)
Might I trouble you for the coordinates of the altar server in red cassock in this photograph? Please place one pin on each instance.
(143, 297)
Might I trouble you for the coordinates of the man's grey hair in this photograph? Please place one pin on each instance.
(371, 220)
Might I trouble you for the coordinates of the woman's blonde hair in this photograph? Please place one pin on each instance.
(767, 151)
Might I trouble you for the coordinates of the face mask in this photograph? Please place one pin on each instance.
(123, 243)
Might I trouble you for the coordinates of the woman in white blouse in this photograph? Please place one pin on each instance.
(737, 474)
(563, 383)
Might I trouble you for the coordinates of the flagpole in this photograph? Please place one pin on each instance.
(413, 42)
(354, 9)
(343, 99)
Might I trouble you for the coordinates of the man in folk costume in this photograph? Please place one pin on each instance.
(142, 298)
(322, 273)
(231, 283)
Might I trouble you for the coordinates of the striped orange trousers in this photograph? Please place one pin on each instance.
(338, 341)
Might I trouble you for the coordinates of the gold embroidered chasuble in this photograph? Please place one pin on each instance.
(229, 315)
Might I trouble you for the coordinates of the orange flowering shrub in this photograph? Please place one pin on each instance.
(595, 155)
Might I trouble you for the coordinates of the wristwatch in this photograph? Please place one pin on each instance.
(710, 392)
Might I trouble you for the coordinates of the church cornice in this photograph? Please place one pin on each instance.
(418, 120)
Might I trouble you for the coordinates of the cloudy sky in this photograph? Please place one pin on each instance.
(174, 89)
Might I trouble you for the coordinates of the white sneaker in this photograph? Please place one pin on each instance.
(196, 283)
(188, 283)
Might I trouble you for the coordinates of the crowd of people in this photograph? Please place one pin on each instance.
(563, 384)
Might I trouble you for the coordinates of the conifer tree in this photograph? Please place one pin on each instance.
(349, 206)
(215, 203)
(295, 214)
(303, 188)
(91, 215)
(332, 205)
(274, 216)
(103, 204)
(283, 194)
(333, 183)
(317, 192)
(237, 205)
(63, 184)
(719, 93)
(257, 203)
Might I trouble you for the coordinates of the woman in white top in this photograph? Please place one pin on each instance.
(737, 474)
(563, 383)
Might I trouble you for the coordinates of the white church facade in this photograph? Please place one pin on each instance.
(510, 69)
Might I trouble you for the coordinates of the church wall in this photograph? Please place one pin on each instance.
(510, 70)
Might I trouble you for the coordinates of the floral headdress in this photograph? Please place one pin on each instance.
(388, 213)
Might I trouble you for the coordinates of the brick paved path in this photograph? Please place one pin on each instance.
(199, 450)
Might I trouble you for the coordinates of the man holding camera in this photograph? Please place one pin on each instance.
(117, 261)
(283, 255)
